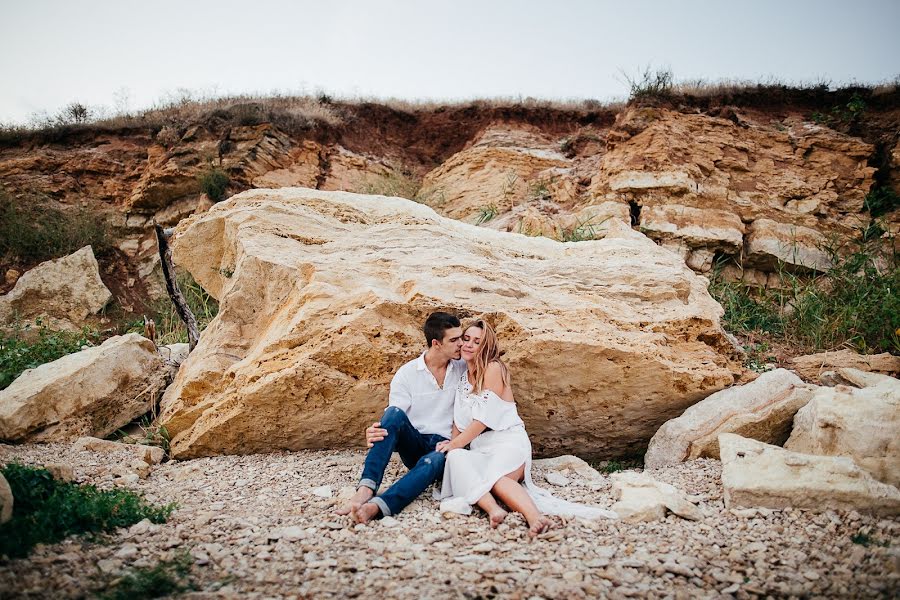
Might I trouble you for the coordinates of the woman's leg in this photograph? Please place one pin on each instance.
(515, 496)
(490, 506)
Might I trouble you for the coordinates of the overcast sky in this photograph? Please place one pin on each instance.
(124, 52)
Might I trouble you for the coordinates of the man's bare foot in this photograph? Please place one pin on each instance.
(539, 526)
(497, 517)
(366, 513)
(362, 495)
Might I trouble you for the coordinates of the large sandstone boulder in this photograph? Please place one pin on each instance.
(762, 410)
(63, 291)
(755, 474)
(863, 424)
(326, 293)
(92, 392)
(811, 366)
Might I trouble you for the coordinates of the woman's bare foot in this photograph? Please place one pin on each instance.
(362, 495)
(497, 516)
(366, 513)
(541, 525)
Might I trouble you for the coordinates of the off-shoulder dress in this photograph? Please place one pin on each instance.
(497, 451)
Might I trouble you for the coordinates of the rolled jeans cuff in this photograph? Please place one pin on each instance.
(366, 482)
(382, 506)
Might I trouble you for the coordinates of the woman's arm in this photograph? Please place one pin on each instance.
(462, 440)
(454, 431)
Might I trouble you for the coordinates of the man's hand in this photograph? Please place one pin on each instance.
(375, 434)
(443, 446)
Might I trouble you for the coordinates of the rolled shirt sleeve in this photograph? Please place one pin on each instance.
(401, 395)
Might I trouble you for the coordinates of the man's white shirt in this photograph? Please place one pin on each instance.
(415, 391)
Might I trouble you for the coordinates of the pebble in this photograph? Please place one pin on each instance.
(323, 491)
(557, 479)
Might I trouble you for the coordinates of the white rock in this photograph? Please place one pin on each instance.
(6, 500)
(639, 497)
(556, 478)
(64, 291)
(755, 474)
(91, 392)
(762, 409)
(323, 491)
(389, 522)
(863, 424)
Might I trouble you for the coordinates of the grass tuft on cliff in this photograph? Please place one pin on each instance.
(170, 329)
(32, 229)
(46, 510)
(855, 304)
(17, 353)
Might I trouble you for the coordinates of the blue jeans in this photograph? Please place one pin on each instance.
(416, 451)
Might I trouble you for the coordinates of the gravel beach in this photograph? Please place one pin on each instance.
(263, 526)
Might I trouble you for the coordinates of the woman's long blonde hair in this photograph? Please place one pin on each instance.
(488, 352)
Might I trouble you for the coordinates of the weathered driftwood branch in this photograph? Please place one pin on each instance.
(168, 269)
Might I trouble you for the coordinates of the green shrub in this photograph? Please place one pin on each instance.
(213, 182)
(855, 303)
(32, 230)
(164, 579)
(18, 354)
(46, 510)
(486, 213)
(650, 84)
(881, 201)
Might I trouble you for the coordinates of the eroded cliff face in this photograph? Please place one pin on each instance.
(768, 188)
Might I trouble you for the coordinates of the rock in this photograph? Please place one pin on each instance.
(639, 497)
(710, 229)
(151, 455)
(323, 491)
(92, 392)
(556, 478)
(811, 366)
(863, 424)
(483, 548)
(292, 533)
(61, 471)
(6, 500)
(755, 474)
(174, 354)
(308, 342)
(389, 522)
(12, 276)
(62, 292)
(761, 410)
(568, 461)
(500, 168)
(770, 243)
(851, 377)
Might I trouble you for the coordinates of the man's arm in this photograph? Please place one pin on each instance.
(400, 397)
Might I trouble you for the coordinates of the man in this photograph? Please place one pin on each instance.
(418, 416)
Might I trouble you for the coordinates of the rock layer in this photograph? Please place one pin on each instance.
(92, 392)
(762, 410)
(326, 293)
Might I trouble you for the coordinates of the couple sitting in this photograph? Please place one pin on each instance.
(438, 406)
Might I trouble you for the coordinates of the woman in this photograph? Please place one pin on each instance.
(499, 461)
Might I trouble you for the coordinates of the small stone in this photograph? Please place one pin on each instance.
(555, 478)
(323, 491)
(811, 575)
(483, 548)
(107, 566)
(437, 536)
(127, 551)
(731, 589)
(389, 522)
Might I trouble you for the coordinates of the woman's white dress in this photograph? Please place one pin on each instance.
(499, 450)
